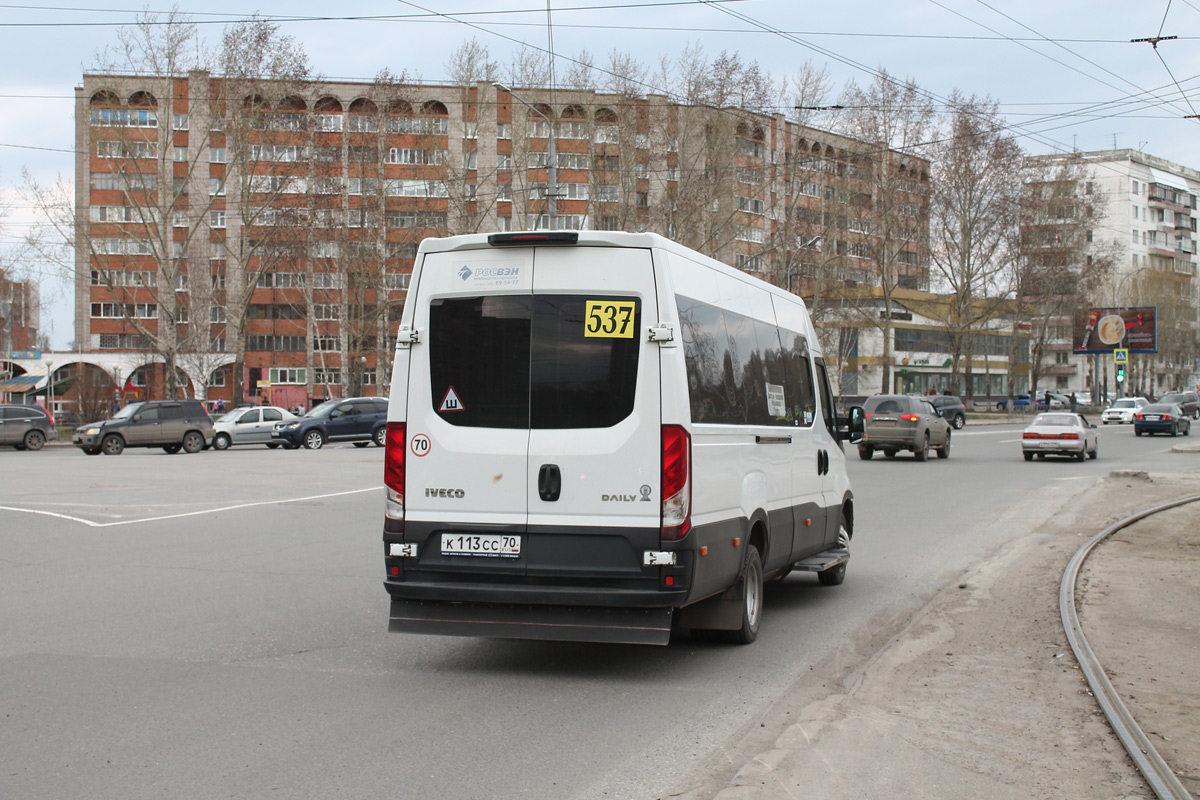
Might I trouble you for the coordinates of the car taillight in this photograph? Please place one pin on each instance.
(1068, 436)
(676, 483)
(1028, 435)
(393, 473)
(866, 416)
(909, 417)
(1139, 416)
(1164, 416)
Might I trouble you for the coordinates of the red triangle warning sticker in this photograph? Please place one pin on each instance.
(451, 402)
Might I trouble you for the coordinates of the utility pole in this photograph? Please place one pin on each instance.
(551, 155)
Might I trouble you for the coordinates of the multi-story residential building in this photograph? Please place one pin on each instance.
(20, 314)
(1147, 219)
(262, 235)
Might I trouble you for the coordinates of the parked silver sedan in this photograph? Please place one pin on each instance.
(1060, 433)
(895, 422)
(249, 426)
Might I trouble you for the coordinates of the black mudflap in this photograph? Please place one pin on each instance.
(554, 623)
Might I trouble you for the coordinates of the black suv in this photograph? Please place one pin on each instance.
(1188, 402)
(25, 427)
(169, 424)
(361, 420)
(951, 408)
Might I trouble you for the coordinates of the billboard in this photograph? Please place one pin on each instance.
(1102, 330)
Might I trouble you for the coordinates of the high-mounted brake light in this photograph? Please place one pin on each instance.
(533, 237)
(676, 483)
(393, 473)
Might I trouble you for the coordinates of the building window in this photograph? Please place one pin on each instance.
(287, 375)
(328, 377)
(179, 122)
(216, 155)
(216, 219)
(326, 344)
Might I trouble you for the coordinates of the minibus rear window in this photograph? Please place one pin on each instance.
(541, 361)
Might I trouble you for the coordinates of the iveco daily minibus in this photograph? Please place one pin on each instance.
(595, 436)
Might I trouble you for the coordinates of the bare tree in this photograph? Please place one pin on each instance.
(258, 105)
(975, 198)
(1054, 266)
(892, 120)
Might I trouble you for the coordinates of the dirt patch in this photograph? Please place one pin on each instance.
(980, 695)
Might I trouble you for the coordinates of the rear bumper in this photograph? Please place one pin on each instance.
(544, 622)
(1051, 446)
(456, 591)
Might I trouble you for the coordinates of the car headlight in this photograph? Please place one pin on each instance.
(91, 431)
(290, 426)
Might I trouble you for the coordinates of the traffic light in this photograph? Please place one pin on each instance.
(1120, 373)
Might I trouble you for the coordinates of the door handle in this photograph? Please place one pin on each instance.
(822, 462)
(549, 482)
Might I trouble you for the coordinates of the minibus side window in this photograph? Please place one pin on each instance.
(776, 383)
(801, 398)
(705, 346)
(827, 409)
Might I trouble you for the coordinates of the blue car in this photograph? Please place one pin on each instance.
(361, 420)
(1161, 418)
(1019, 401)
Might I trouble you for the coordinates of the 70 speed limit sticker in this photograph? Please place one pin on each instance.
(420, 445)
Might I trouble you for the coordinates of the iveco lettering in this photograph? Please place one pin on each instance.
(598, 436)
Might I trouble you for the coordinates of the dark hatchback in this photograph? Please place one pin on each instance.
(361, 420)
(1161, 418)
(951, 408)
(170, 424)
(1188, 402)
(25, 427)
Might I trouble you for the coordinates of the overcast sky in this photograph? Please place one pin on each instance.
(1065, 72)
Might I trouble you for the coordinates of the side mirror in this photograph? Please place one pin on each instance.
(850, 427)
(137, 418)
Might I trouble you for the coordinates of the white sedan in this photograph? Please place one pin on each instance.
(1122, 410)
(1060, 433)
(249, 426)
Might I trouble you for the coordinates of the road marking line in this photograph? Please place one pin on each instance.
(92, 524)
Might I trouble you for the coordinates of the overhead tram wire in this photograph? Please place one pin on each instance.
(1021, 129)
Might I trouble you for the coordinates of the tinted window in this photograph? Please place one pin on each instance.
(271, 415)
(827, 411)
(170, 412)
(538, 361)
(801, 396)
(148, 414)
(583, 360)
(249, 417)
(744, 371)
(366, 407)
(479, 360)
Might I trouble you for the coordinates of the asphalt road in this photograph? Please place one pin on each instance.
(215, 625)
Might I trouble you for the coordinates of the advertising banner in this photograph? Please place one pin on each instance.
(1103, 330)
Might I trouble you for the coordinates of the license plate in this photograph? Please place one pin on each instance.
(481, 544)
(1152, 418)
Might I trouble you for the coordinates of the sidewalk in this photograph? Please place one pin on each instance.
(980, 696)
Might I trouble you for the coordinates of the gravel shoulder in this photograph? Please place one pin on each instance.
(980, 696)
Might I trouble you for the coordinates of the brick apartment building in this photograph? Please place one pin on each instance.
(272, 227)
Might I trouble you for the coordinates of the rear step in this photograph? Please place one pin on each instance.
(554, 623)
(823, 561)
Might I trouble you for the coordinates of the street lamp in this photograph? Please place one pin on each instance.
(551, 154)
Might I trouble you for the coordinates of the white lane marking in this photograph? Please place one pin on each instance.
(92, 524)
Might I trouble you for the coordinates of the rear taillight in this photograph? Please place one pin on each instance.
(1068, 436)
(1139, 416)
(1164, 416)
(676, 482)
(393, 473)
(909, 417)
(1030, 436)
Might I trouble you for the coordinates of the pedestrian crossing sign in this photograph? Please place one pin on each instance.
(1121, 356)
